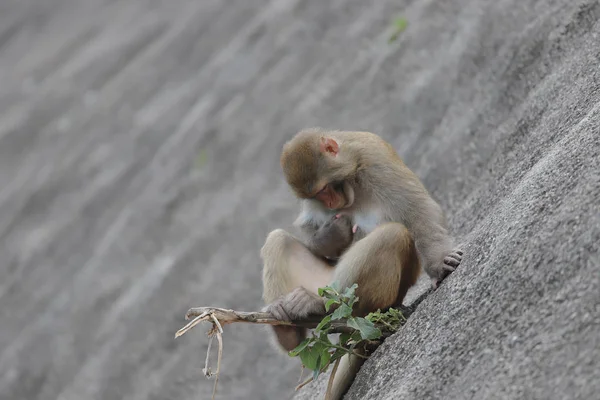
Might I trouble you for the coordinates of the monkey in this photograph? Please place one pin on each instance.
(329, 238)
(402, 229)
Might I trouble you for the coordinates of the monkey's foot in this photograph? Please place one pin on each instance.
(451, 261)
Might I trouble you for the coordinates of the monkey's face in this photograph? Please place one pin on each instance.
(333, 196)
(317, 180)
(315, 168)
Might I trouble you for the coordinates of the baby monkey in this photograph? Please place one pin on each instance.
(331, 238)
(363, 208)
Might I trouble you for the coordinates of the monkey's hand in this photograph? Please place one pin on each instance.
(333, 237)
(296, 305)
(357, 233)
(451, 261)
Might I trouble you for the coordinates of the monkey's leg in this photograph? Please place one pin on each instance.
(385, 265)
(292, 276)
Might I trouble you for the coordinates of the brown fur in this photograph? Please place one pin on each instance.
(400, 229)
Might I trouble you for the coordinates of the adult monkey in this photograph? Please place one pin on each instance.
(341, 177)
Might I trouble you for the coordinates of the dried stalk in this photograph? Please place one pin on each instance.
(306, 382)
(225, 316)
(206, 371)
(218, 373)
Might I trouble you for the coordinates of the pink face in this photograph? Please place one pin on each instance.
(328, 195)
(331, 198)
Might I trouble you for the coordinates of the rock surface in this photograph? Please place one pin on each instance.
(139, 176)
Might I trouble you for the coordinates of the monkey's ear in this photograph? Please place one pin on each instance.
(329, 146)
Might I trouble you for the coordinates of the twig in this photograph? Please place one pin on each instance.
(206, 369)
(218, 373)
(190, 325)
(306, 382)
(217, 323)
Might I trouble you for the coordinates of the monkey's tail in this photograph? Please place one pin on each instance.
(344, 376)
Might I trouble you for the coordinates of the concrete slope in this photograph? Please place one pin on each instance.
(515, 149)
(139, 176)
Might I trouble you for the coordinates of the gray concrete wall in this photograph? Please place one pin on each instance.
(139, 176)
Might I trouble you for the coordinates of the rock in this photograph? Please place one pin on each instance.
(110, 227)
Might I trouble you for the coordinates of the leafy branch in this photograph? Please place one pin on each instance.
(357, 335)
(318, 352)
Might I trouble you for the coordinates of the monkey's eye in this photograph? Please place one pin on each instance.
(338, 186)
(320, 192)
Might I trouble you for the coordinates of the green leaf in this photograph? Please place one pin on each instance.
(349, 292)
(324, 322)
(202, 158)
(397, 314)
(352, 301)
(299, 348)
(343, 311)
(367, 330)
(316, 373)
(328, 293)
(335, 285)
(323, 337)
(324, 360)
(310, 357)
(326, 290)
(392, 319)
(344, 337)
(400, 24)
(330, 302)
(356, 336)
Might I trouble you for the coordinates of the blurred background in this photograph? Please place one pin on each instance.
(139, 164)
